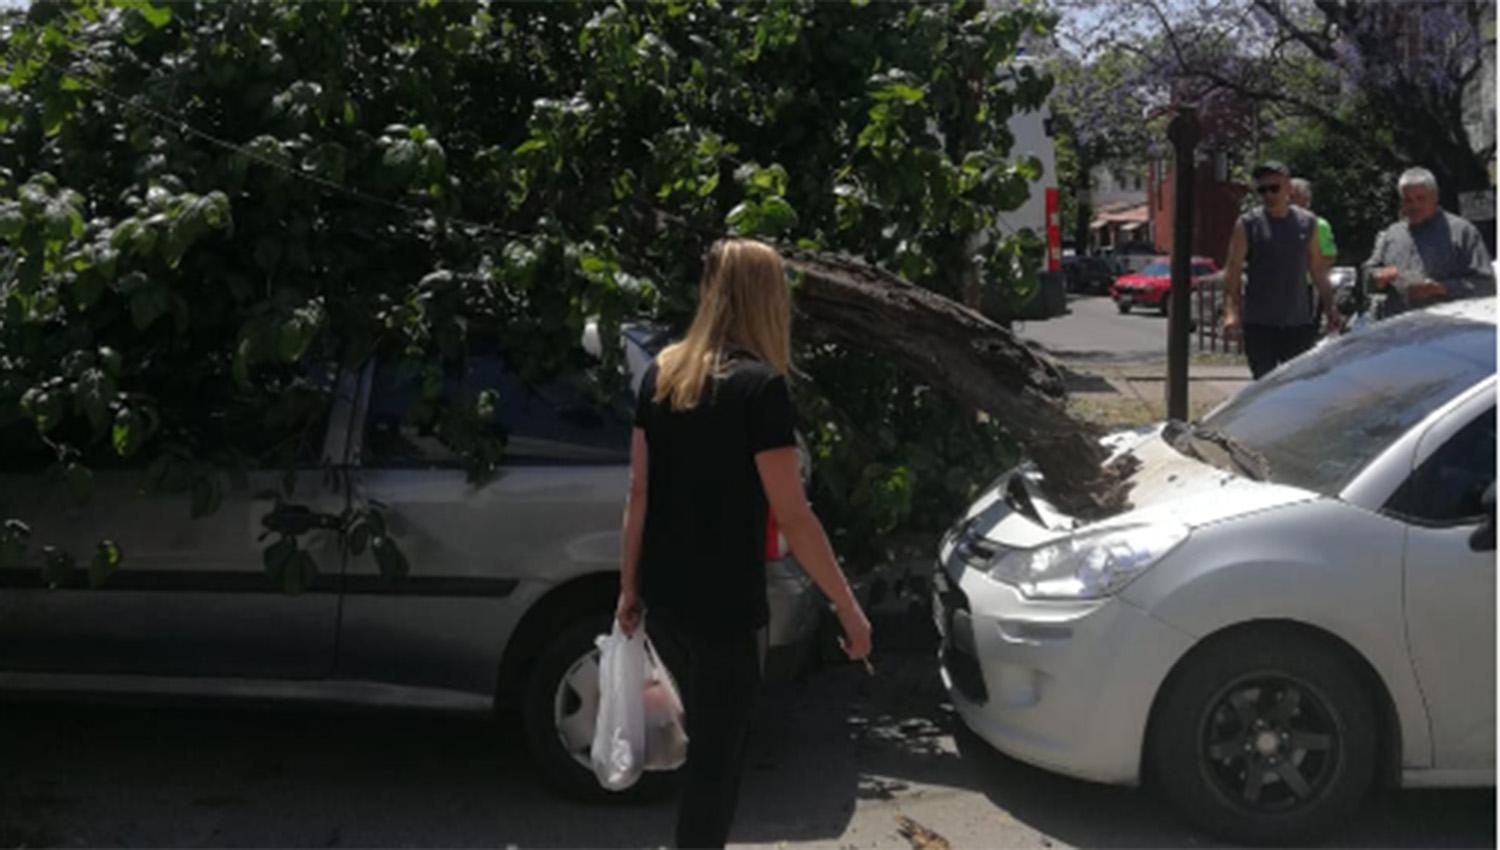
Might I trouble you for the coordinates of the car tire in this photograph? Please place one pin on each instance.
(1266, 738)
(559, 688)
(1122, 307)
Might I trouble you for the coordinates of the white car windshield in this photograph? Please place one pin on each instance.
(1319, 419)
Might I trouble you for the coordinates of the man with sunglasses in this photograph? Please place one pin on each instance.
(1276, 247)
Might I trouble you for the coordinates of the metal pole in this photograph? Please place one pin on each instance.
(1183, 131)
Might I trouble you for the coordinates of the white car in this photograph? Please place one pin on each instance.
(1300, 604)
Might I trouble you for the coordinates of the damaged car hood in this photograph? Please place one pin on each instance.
(1167, 486)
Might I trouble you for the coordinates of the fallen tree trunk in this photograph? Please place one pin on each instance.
(968, 357)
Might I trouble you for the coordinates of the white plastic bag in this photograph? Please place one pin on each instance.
(666, 727)
(619, 747)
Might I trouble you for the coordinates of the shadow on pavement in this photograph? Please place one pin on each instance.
(908, 738)
(835, 745)
(98, 775)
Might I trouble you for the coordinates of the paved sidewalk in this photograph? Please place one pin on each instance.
(1136, 393)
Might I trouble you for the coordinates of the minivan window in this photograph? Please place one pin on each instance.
(552, 422)
(1318, 420)
(286, 433)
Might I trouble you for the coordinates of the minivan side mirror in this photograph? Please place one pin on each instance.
(1483, 538)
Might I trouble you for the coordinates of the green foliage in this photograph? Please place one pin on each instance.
(1353, 189)
(252, 191)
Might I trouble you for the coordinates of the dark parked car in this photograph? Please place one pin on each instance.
(1091, 274)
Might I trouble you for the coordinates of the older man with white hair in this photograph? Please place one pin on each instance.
(1430, 255)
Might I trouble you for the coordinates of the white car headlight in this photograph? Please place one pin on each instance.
(1087, 566)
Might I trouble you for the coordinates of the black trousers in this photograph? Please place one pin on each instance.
(719, 677)
(1269, 346)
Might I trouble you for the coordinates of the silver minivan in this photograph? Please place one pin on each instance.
(510, 580)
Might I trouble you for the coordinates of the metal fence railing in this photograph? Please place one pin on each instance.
(1208, 310)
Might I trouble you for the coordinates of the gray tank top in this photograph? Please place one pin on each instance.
(1276, 268)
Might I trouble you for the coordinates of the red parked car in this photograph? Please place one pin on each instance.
(1150, 285)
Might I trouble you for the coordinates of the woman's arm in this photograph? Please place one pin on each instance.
(628, 612)
(804, 533)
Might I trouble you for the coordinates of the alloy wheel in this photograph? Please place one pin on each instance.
(1270, 744)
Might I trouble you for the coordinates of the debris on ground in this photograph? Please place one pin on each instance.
(921, 837)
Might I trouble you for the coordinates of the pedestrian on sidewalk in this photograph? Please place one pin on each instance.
(712, 452)
(1430, 255)
(1302, 197)
(1276, 247)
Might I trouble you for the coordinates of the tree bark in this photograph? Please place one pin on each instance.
(959, 352)
(963, 354)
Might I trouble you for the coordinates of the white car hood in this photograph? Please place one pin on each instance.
(1167, 487)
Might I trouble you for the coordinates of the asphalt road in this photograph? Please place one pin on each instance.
(836, 758)
(1094, 330)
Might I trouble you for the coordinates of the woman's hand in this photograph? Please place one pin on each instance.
(857, 633)
(628, 612)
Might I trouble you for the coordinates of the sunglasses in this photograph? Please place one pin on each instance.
(1268, 189)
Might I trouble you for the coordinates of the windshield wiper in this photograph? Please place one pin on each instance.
(1174, 432)
(1250, 461)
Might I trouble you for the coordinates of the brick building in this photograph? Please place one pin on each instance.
(1216, 205)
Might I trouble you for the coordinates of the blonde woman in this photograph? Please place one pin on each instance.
(711, 451)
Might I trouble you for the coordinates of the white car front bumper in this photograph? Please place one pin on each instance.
(1066, 686)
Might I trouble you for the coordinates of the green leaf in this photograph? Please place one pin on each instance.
(45, 407)
(289, 568)
(156, 16)
(777, 215)
(149, 304)
(128, 432)
(300, 573)
(57, 566)
(388, 556)
(111, 361)
(485, 404)
(62, 220)
(80, 481)
(92, 397)
(106, 560)
(125, 233)
(14, 535)
(744, 218)
(12, 221)
(401, 160)
(359, 539)
(903, 92)
(293, 336)
(530, 145)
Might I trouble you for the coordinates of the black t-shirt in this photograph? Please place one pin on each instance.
(702, 553)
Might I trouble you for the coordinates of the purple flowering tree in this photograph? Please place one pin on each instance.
(1390, 79)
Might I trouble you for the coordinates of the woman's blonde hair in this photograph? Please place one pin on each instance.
(743, 303)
